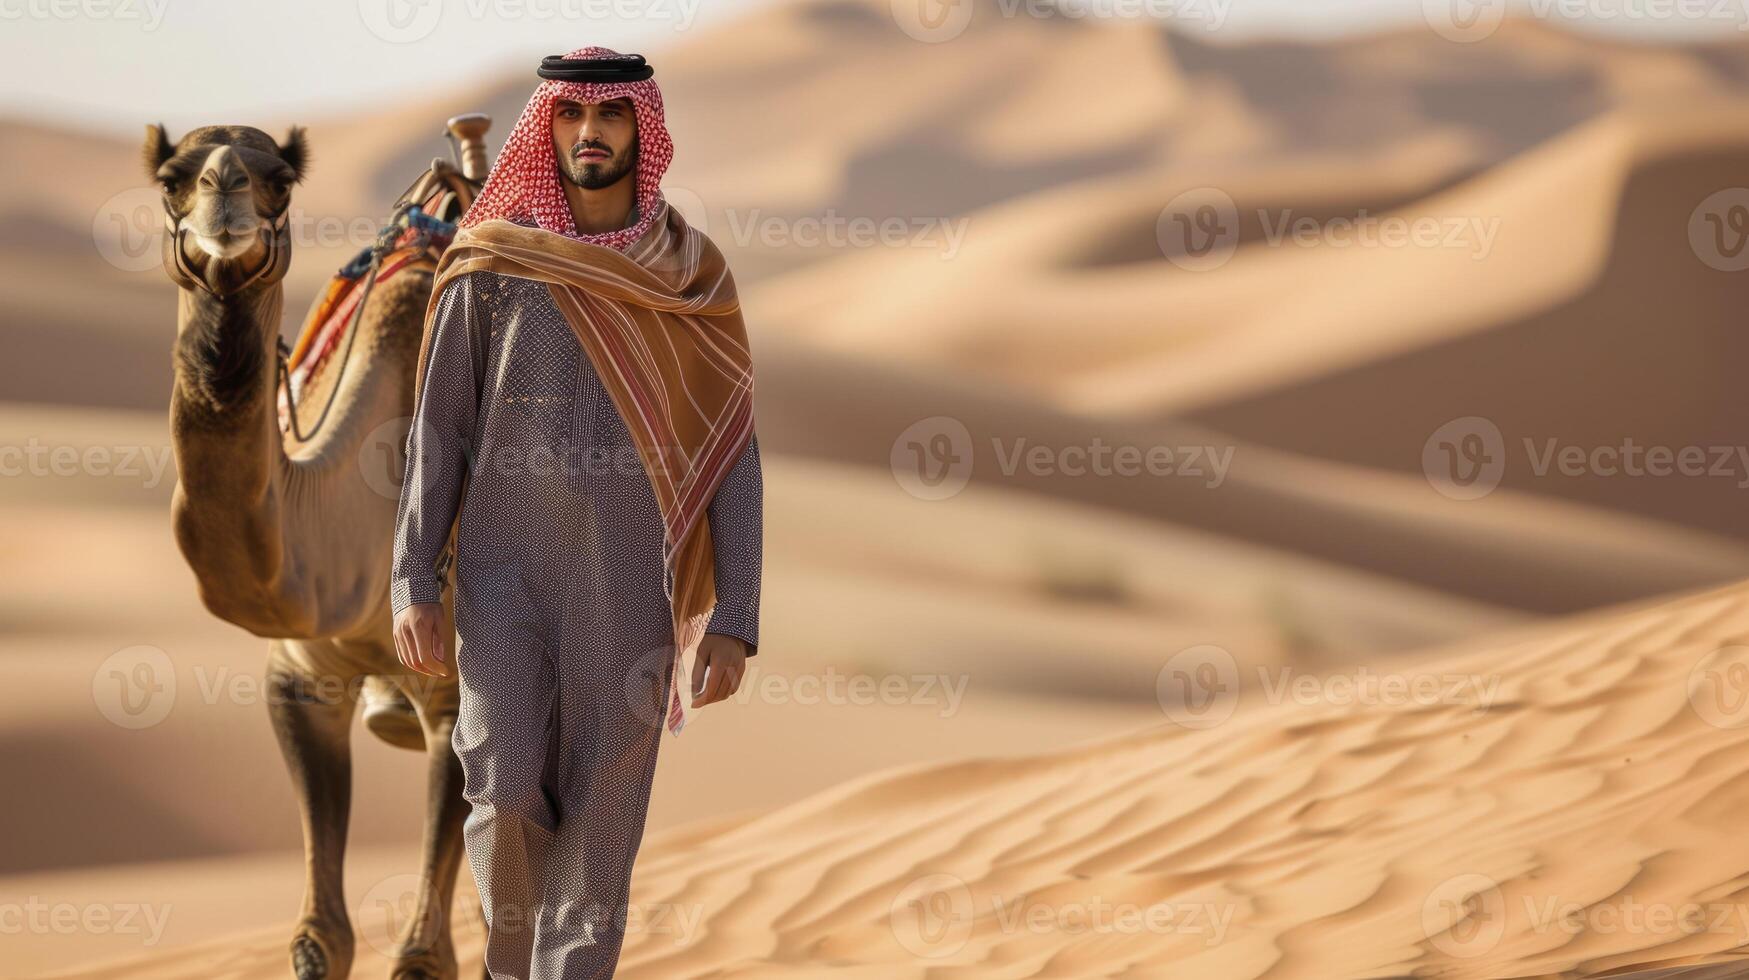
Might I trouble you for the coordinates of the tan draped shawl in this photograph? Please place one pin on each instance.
(661, 322)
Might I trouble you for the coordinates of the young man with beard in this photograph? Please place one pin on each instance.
(583, 426)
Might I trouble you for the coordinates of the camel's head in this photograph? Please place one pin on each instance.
(227, 192)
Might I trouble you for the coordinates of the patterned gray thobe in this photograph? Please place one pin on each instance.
(565, 629)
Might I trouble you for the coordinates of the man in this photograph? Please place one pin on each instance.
(583, 427)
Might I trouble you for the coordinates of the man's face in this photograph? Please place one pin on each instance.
(596, 145)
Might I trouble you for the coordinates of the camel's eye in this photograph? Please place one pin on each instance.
(168, 183)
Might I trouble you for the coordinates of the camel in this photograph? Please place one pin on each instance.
(292, 542)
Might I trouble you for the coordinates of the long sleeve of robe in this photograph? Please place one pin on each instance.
(509, 394)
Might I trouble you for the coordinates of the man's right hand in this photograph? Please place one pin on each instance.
(419, 640)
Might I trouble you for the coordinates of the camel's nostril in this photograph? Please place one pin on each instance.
(227, 181)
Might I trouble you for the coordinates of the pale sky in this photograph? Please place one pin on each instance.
(111, 64)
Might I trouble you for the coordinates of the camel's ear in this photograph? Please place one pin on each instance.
(295, 151)
(158, 149)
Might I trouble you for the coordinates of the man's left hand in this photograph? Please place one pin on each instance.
(722, 659)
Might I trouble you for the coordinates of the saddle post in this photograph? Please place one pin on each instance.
(468, 131)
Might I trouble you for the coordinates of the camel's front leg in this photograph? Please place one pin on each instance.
(427, 944)
(312, 717)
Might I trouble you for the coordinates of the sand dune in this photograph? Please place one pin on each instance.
(1592, 308)
(1605, 770)
(1092, 316)
(1569, 810)
(1507, 549)
(1037, 308)
(1640, 352)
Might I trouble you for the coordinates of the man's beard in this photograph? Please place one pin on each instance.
(594, 175)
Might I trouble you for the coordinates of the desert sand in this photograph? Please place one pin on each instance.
(1565, 802)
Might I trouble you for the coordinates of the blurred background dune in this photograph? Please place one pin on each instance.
(1038, 175)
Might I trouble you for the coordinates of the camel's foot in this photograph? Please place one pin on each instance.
(319, 954)
(437, 963)
(390, 716)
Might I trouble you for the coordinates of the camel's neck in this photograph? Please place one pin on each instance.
(222, 410)
(229, 458)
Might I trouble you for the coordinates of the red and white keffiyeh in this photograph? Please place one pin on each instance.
(524, 182)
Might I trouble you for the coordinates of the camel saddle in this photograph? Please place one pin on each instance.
(422, 226)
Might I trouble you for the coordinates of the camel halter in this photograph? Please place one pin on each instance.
(188, 277)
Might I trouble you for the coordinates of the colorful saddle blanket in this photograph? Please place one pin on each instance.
(415, 238)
